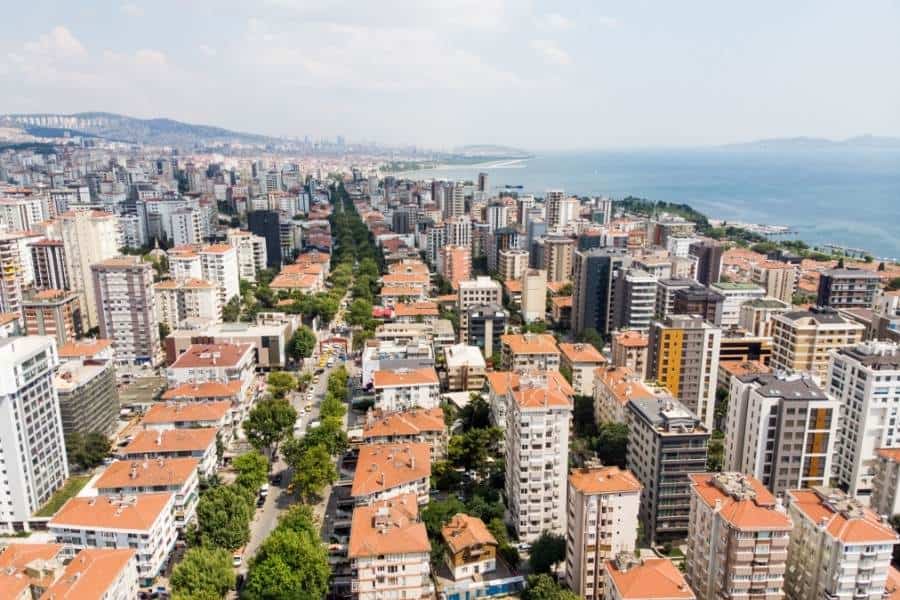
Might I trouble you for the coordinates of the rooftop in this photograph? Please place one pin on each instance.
(603, 480)
(648, 579)
(171, 440)
(878, 356)
(132, 512)
(84, 349)
(632, 339)
(459, 355)
(581, 353)
(743, 501)
(388, 527)
(384, 466)
(540, 397)
(842, 516)
(211, 355)
(72, 374)
(90, 574)
(209, 389)
(180, 412)
(530, 343)
(408, 422)
(404, 377)
(463, 531)
(147, 473)
(623, 384)
(501, 381)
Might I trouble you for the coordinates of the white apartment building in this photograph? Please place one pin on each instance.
(219, 264)
(385, 471)
(186, 227)
(389, 551)
(865, 380)
(186, 299)
(184, 263)
(839, 549)
(736, 294)
(170, 444)
(614, 388)
(12, 279)
(534, 295)
(221, 363)
(755, 316)
(143, 522)
(537, 442)
(529, 351)
(21, 213)
(603, 504)
(89, 237)
(637, 307)
(781, 429)
(31, 435)
(251, 253)
(480, 291)
(403, 389)
(98, 574)
(779, 279)
(511, 263)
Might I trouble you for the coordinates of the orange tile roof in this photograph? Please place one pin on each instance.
(653, 579)
(416, 309)
(122, 261)
(892, 585)
(171, 440)
(463, 531)
(396, 279)
(623, 384)
(191, 284)
(446, 298)
(136, 512)
(14, 562)
(217, 249)
(79, 349)
(740, 368)
(561, 301)
(604, 480)
(209, 389)
(541, 397)
(14, 586)
(500, 381)
(211, 355)
(632, 339)
(147, 473)
(9, 317)
(866, 528)
(289, 281)
(530, 343)
(745, 514)
(385, 466)
(513, 286)
(408, 266)
(891, 454)
(556, 286)
(182, 251)
(581, 353)
(180, 412)
(401, 378)
(388, 527)
(400, 291)
(90, 574)
(50, 294)
(408, 422)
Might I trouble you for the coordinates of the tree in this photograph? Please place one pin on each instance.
(592, 337)
(268, 424)
(612, 443)
(893, 285)
(252, 470)
(445, 477)
(231, 312)
(565, 290)
(715, 456)
(302, 343)
(360, 312)
(583, 417)
(840, 263)
(566, 372)
(437, 513)
(476, 414)
(163, 331)
(329, 434)
(280, 383)
(313, 470)
(223, 517)
(87, 451)
(332, 407)
(496, 361)
(203, 570)
(472, 448)
(546, 551)
(290, 564)
(881, 266)
(299, 518)
(543, 587)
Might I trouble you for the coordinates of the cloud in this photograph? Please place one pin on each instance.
(550, 52)
(58, 43)
(132, 10)
(607, 21)
(207, 51)
(553, 21)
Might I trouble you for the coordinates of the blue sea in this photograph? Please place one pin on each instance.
(849, 197)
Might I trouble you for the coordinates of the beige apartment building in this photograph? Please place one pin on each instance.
(777, 278)
(581, 360)
(465, 367)
(803, 340)
(614, 388)
(629, 349)
(557, 257)
(534, 294)
(738, 538)
(529, 351)
(511, 263)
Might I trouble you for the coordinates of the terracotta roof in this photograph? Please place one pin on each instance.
(14, 562)
(603, 480)
(182, 251)
(530, 343)
(632, 339)
(171, 284)
(90, 574)
(135, 512)
(79, 349)
(556, 286)
(180, 412)
(541, 397)
(401, 378)
(50, 294)
(500, 381)
(147, 473)
(744, 513)
(171, 440)
(289, 281)
(415, 309)
(123, 262)
(513, 286)
(740, 368)
(653, 579)
(217, 249)
(388, 527)
(864, 528)
(400, 291)
(892, 585)
(211, 355)
(9, 317)
(14, 586)
(396, 279)
(209, 389)
(408, 266)
(562, 301)
(581, 353)
(408, 422)
(446, 298)
(623, 384)
(463, 531)
(385, 466)
(891, 454)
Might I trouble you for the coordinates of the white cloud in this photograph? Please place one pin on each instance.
(132, 10)
(550, 52)
(58, 43)
(607, 21)
(207, 51)
(553, 21)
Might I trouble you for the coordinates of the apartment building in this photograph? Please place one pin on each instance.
(636, 303)
(408, 426)
(699, 300)
(12, 273)
(222, 363)
(597, 297)
(184, 262)
(251, 253)
(55, 313)
(709, 256)
(885, 498)
(402, 389)
(734, 296)
(865, 381)
(486, 325)
(501, 384)
(529, 351)
(683, 356)
(88, 396)
(98, 574)
(755, 316)
(737, 538)
(31, 434)
(48, 257)
(779, 279)
(195, 299)
(848, 288)
(537, 442)
(224, 415)
(602, 522)
(89, 238)
(480, 291)
(174, 443)
(385, 471)
(511, 263)
(219, 265)
(557, 257)
(666, 442)
(126, 308)
(631, 578)
(629, 349)
(472, 548)
(389, 551)
(142, 522)
(614, 388)
(465, 368)
(455, 264)
(581, 360)
(839, 549)
(665, 294)
(803, 340)
(534, 295)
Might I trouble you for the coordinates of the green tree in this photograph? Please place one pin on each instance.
(299, 518)
(445, 477)
(269, 423)
(360, 312)
(592, 337)
(472, 448)
(291, 564)
(543, 587)
(566, 372)
(715, 456)
(223, 517)
(893, 285)
(546, 551)
(280, 383)
(437, 513)
(329, 434)
(476, 414)
(87, 451)
(302, 343)
(313, 470)
(203, 570)
(332, 407)
(231, 312)
(163, 331)
(611, 443)
(252, 470)
(583, 417)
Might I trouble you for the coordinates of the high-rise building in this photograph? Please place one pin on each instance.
(683, 356)
(458, 231)
(486, 324)
(581, 360)
(699, 300)
(666, 442)
(455, 264)
(194, 299)
(219, 265)
(839, 549)
(802, 340)
(755, 316)
(511, 263)
(553, 202)
(557, 257)
(31, 434)
(88, 238)
(251, 253)
(594, 286)
(126, 308)
(603, 521)
(497, 214)
(264, 223)
(536, 472)
(709, 260)
(863, 379)
(629, 349)
(636, 309)
(49, 260)
(780, 429)
(483, 182)
(12, 273)
(55, 313)
(734, 296)
(737, 538)
(476, 292)
(848, 288)
(885, 498)
(88, 397)
(779, 279)
(523, 352)
(187, 227)
(534, 294)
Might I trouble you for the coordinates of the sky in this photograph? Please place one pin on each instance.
(531, 74)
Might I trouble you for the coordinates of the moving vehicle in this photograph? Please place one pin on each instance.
(237, 558)
(264, 490)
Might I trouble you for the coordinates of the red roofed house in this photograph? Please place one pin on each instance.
(222, 363)
(191, 415)
(175, 443)
(581, 360)
(631, 578)
(416, 425)
(98, 574)
(389, 470)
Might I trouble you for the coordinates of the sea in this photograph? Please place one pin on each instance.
(844, 196)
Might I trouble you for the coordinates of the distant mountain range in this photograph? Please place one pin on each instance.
(154, 132)
(812, 143)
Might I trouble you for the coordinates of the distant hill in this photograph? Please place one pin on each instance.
(812, 143)
(156, 132)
